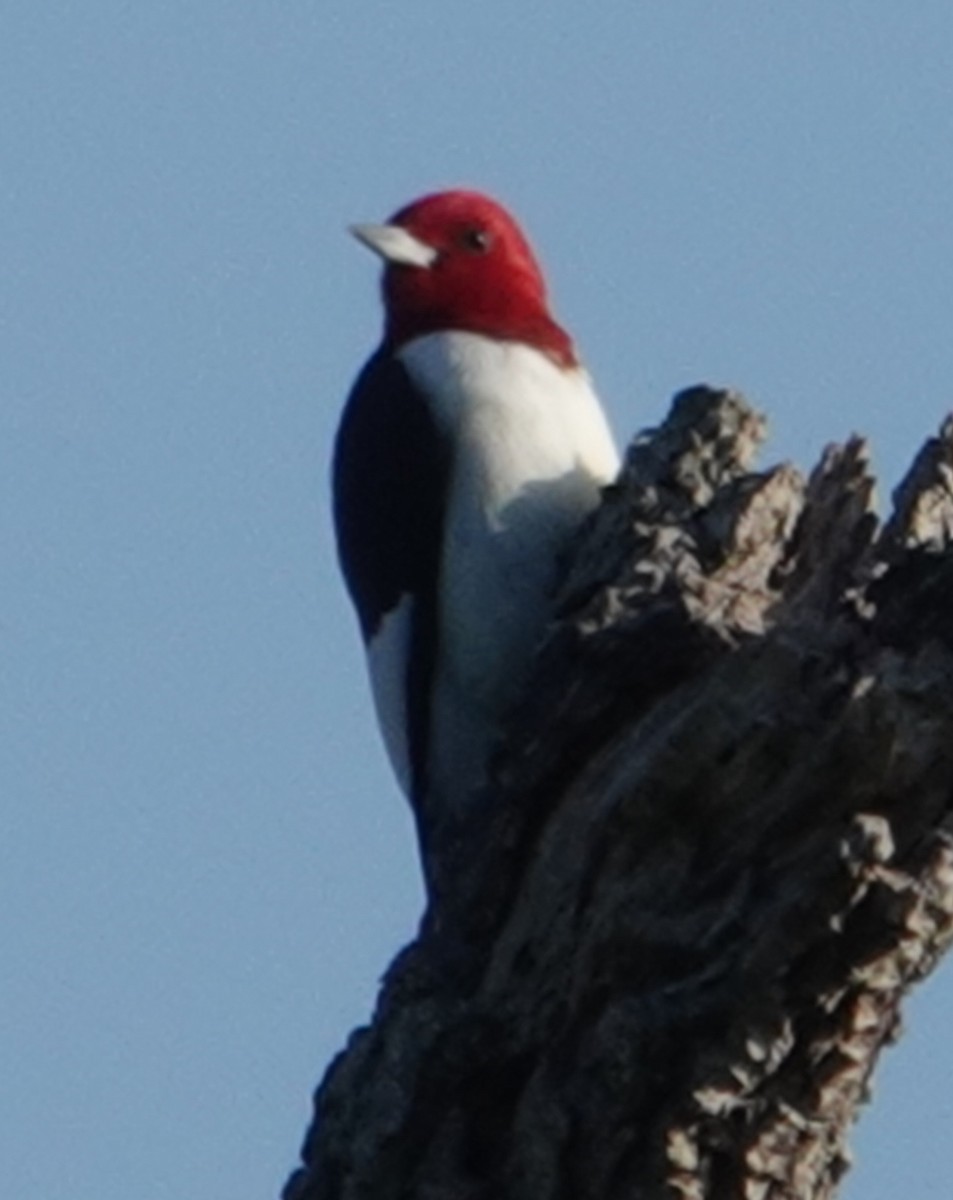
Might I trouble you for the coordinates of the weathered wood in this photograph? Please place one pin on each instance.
(664, 955)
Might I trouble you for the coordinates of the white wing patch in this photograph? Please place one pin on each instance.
(388, 653)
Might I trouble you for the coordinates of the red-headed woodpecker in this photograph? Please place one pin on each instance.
(471, 447)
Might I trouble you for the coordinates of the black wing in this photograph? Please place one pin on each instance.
(390, 477)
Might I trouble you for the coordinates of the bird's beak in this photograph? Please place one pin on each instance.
(395, 245)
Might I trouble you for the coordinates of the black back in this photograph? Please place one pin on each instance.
(390, 475)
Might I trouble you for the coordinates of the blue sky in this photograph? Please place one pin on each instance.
(205, 864)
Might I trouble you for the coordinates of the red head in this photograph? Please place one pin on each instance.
(457, 260)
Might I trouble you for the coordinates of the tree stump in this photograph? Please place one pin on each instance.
(665, 950)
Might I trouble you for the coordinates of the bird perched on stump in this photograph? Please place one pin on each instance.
(471, 447)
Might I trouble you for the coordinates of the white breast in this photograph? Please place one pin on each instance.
(531, 449)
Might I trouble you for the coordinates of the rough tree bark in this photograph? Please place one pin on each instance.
(664, 957)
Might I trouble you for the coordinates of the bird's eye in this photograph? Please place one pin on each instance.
(478, 241)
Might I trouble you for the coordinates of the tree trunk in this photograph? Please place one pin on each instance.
(663, 956)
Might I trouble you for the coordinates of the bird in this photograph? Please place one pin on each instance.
(470, 449)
